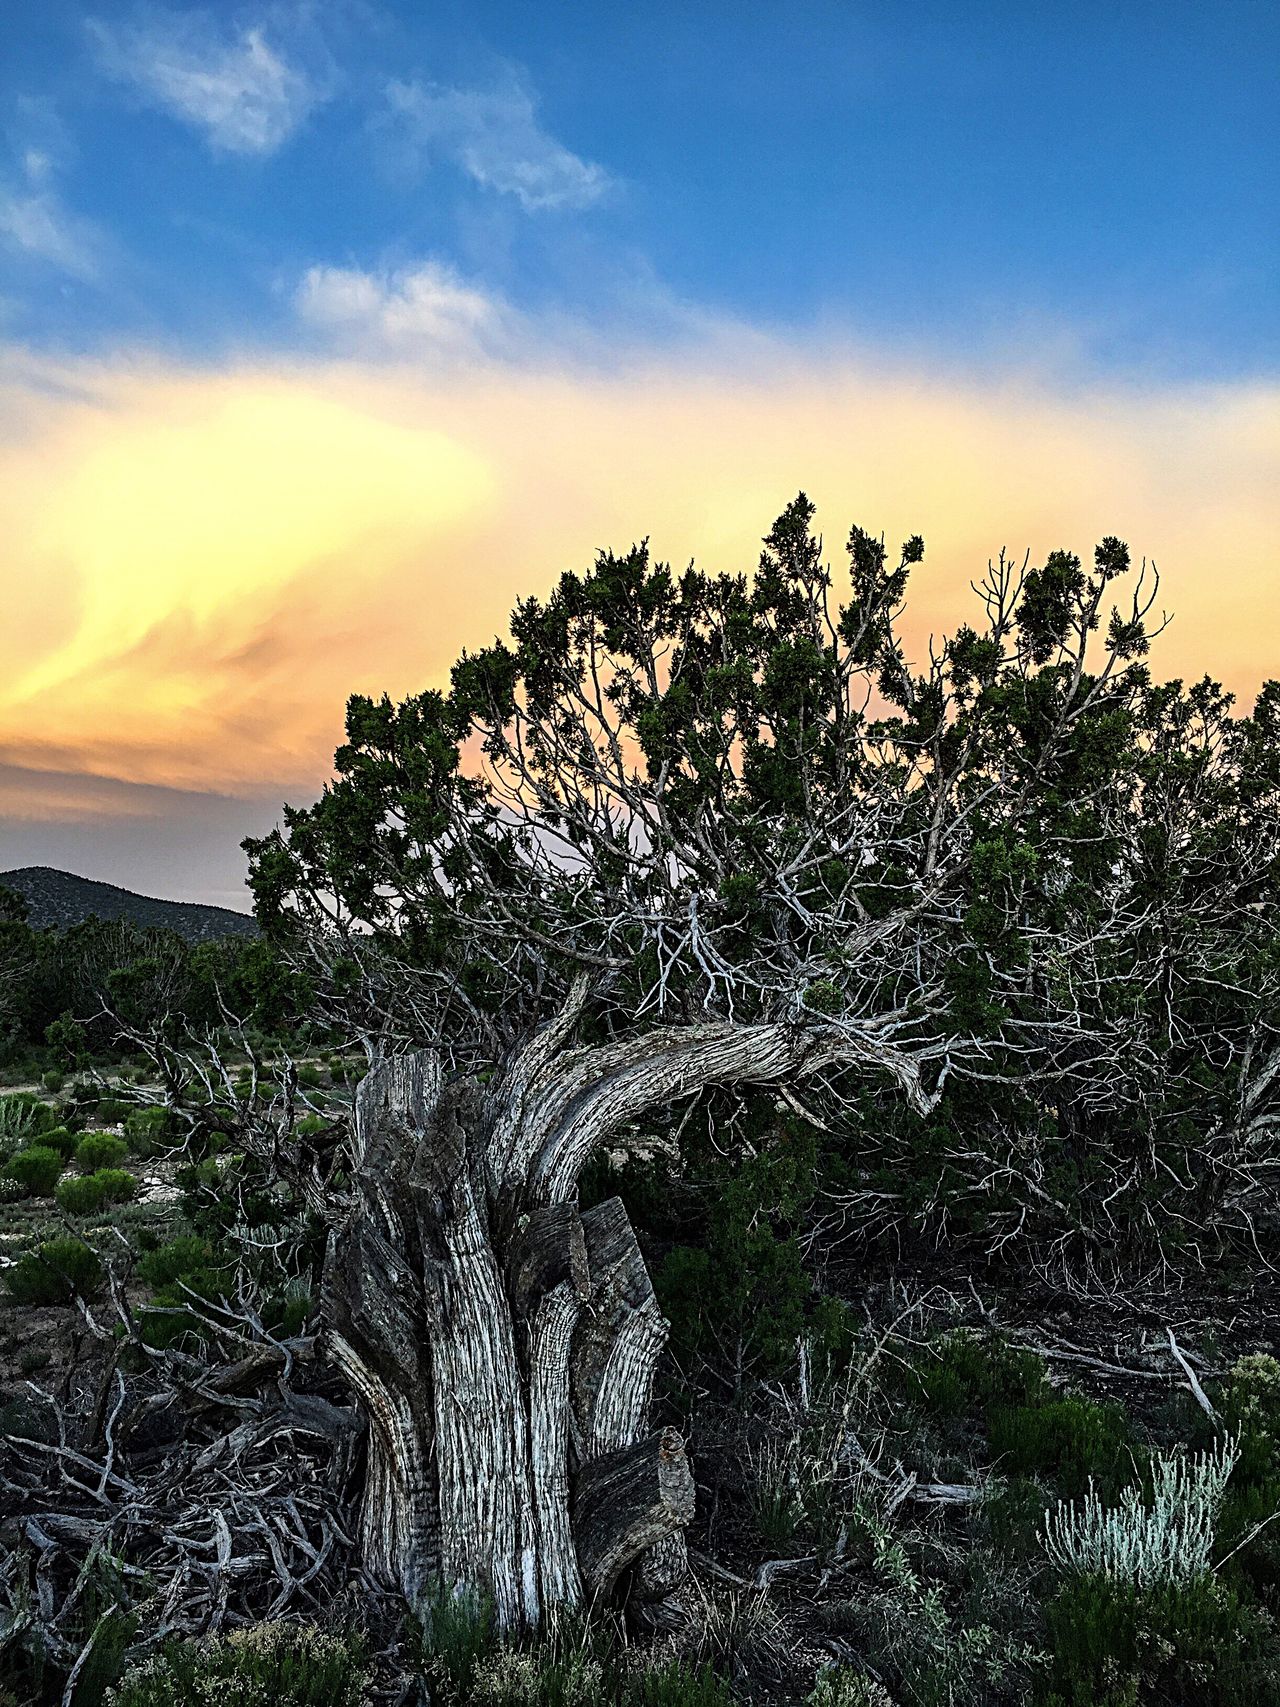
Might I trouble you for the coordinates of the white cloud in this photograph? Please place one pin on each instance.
(35, 222)
(427, 305)
(494, 136)
(39, 225)
(237, 88)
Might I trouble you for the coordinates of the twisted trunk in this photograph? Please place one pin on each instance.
(503, 1351)
(503, 1344)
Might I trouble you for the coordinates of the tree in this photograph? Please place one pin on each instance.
(683, 832)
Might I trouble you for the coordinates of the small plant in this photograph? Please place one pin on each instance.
(265, 1665)
(36, 1169)
(59, 1139)
(455, 1635)
(24, 1116)
(54, 1080)
(55, 1273)
(100, 1150)
(842, 1688)
(148, 1129)
(11, 1190)
(84, 1194)
(1168, 1541)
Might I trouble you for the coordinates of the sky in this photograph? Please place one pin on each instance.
(328, 330)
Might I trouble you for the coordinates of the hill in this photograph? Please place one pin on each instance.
(59, 899)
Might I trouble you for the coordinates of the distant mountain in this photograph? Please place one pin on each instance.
(57, 899)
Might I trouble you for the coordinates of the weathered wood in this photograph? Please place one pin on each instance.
(621, 1335)
(495, 1340)
(627, 1502)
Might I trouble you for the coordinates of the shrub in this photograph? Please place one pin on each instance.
(679, 1685)
(84, 1194)
(1169, 1540)
(177, 1260)
(455, 1635)
(148, 1129)
(310, 1125)
(54, 1079)
(1073, 1441)
(80, 1194)
(265, 1665)
(55, 1273)
(11, 1190)
(36, 1169)
(100, 1150)
(112, 1112)
(61, 1140)
(848, 1689)
(311, 1078)
(24, 1116)
(1113, 1644)
(966, 1374)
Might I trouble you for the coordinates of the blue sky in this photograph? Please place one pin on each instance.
(1097, 180)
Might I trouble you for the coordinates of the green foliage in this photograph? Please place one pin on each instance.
(36, 1169)
(965, 1374)
(24, 1116)
(85, 1194)
(1249, 1409)
(843, 1688)
(265, 1665)
(1070, 1441)
(54, 1079)
(59, 1139)
(455, 1633)
(100, 1150)
(111, 1111)
(738, 1298)
(147, 1129)
(1113, 1645)
(54, 1273)
(183, 1267)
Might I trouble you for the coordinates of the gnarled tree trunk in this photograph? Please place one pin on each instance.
(503, 1346)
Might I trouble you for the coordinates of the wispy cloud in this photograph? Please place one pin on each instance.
(234, 85)
(415, 308)
(34, 220)
(495, 136)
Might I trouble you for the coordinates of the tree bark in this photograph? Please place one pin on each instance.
(501, 1343)
(503, 1353)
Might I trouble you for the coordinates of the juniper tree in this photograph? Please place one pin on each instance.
(680, 833)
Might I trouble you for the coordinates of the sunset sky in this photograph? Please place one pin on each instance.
(327, 330)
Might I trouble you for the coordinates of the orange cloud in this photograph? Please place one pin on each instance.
(202, 563)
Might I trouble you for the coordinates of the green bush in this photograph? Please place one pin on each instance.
(311, 1078)
(1113, 1645)
(55, 1273)
(310, 1125)
(80, 1194)
(265, 1665)
(100, 1150)
(149, 1129)
(112, 1112)
(185, 1265)
(176, 1260)
(964, 1374)
(54, 1079)
(85, 1194)
(59, 1139)
(1070, 1441)
(24, 1116)
(36, 1169)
